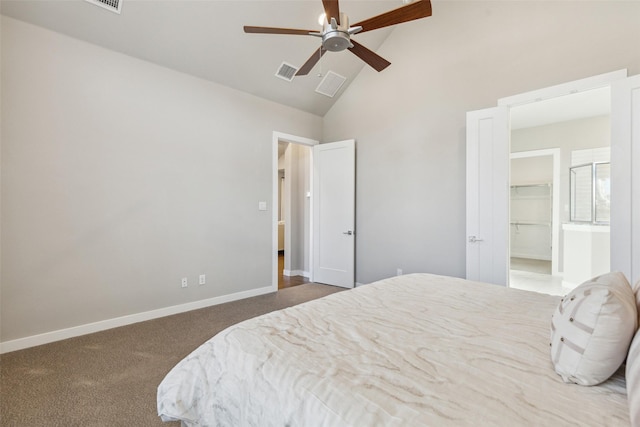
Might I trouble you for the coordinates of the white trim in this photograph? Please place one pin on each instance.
(555, 223)
(601, 80)
(89, 328)
(293, 139)
(528, 255)
(296, 273)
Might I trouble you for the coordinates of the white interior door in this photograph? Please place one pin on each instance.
(625, 177)
(488, 195)
(334, 213)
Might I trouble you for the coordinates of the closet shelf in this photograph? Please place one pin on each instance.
(530, 185)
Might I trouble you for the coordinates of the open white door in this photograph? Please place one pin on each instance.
(488, 195)
(625, 177)
(334, 213)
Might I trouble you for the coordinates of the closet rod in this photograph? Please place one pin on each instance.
(531, 185)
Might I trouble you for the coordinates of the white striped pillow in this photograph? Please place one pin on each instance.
(633, 381)
(592, 328)
(632, 372)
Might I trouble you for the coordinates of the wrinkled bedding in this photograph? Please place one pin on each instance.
(413, 350)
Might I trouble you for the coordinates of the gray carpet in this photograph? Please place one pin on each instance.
(110, 378)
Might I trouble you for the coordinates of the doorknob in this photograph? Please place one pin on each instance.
(473, 239)
(348, 232)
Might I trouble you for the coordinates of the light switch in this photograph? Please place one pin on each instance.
(262, 206)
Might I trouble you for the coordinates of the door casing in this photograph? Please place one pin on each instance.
(293, 139)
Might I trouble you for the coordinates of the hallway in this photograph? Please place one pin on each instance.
(288, 281)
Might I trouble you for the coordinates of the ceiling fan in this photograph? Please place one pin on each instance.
(336, 32)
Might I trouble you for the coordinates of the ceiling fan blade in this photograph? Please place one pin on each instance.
(270, 30)
(311, 62)
(331, 10)
(416, 10)
(377, 62)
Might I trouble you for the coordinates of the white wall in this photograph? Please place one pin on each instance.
(120, 177)
(531, 204)
(297, 220)
(593, 132)
(409, 120)
(532, 170)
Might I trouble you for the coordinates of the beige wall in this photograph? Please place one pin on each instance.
(409, 120)
(120, 177)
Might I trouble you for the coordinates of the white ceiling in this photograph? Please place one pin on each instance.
(205, 38)
(591, 103)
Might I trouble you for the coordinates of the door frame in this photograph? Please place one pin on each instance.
(555, 224)
(569, 88)
(625, 161)
(278, 137)
(589, 83)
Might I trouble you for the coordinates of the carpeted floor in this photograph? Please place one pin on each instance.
(110, 378)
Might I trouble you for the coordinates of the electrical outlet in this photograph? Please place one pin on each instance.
(184, 282)
(202, 279)
(399, 272)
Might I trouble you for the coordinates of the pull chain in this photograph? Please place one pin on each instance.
(320, 63)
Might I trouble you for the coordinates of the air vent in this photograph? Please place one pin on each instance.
(286, 72)
(331, 83)
(112, 5)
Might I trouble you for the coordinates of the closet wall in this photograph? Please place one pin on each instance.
(531, 207)
(568, 136)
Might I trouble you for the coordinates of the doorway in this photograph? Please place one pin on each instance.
(535, 221)
(488, 137)
(329, 194)
(547, 139)
(292, 210)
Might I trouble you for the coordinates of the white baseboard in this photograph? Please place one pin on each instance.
(296, 273)
(529, 255)
(89, 328)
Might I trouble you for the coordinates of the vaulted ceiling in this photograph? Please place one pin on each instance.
(205, 38)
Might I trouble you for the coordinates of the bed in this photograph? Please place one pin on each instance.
(412, 350)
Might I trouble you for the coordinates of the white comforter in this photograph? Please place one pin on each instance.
(408, 351)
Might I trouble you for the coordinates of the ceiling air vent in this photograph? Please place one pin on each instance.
(112, 5)
(286, 72)
(331, 83)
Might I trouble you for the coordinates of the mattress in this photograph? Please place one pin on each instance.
(412, 350)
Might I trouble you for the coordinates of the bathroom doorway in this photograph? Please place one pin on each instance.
(547, 139)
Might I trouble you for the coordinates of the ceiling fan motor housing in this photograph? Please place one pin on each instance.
(336, 38)
(336, 41)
